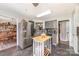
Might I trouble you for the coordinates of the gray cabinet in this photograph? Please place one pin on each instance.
(24, 34)
(51, 27)
(51, 24)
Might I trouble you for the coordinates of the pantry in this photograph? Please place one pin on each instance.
(7, 34)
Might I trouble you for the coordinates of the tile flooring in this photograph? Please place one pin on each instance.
(61, 50)
(8, 45)
(9, 52)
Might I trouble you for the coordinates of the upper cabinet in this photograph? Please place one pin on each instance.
(51, 24)
(39, 25)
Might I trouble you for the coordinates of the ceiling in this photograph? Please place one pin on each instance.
(19, 10)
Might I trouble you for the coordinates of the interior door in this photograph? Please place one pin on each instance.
(64, 32)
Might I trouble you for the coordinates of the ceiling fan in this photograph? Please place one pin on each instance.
(35, 4)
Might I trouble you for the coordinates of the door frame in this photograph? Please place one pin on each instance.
(59, 29)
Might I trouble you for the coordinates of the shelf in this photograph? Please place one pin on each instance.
(8, 30)
(46, 52)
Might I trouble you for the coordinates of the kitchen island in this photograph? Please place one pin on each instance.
(41, 45)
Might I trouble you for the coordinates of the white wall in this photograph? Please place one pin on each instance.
(5, 19)
(76, 24)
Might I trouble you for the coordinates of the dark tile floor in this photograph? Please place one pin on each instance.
(9, 52)
(61, 50)
(25, 52)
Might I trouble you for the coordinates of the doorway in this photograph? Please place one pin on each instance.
(32, 28)
(63, 32)
(7, 35)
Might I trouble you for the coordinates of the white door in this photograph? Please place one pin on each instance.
(64, 32)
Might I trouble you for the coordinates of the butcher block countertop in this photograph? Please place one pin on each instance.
(41, 38)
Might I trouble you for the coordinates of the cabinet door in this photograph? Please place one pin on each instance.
(49, 24)
(24, 34)
(28, 42)
(24, 25)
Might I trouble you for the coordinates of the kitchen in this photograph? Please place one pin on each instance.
(44, 29)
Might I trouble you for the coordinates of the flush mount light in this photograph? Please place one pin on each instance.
(35, 4)
(44, 13)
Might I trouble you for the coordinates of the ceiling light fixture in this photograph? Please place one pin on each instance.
(35, 4)
(44, 13)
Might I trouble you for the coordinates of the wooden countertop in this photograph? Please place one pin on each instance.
(41, 38)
